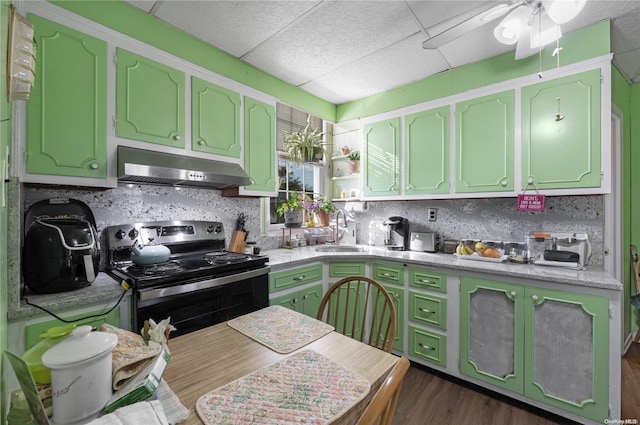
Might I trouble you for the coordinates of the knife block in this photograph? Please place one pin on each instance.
(237, 241)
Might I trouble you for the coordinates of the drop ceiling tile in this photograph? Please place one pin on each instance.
(391, 67)
(235, 27)
(331, 36)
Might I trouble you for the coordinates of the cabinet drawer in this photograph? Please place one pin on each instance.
(386, 273)
(421, 278)
(294, 277)
(428, 309)
(428, 345)
(344, 269)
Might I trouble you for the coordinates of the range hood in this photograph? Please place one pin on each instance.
(149, 167)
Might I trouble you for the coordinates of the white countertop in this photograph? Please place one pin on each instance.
(106, 288)
(590, 277)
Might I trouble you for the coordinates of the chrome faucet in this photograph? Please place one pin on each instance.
(344, 218)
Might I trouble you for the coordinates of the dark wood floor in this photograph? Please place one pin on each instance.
(429, 397)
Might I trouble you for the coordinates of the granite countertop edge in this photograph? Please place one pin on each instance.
(102, 290)
(592, 277)
(105, 288)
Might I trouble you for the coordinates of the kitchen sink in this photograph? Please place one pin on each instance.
(340, 248)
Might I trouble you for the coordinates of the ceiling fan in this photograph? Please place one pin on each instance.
(530, 24)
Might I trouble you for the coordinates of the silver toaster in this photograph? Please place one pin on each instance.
(423, 241)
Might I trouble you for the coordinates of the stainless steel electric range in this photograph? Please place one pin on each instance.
(200, 285)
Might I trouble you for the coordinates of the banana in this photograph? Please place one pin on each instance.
(463, 249)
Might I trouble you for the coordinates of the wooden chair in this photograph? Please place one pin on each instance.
(383, 404)
(362, 309)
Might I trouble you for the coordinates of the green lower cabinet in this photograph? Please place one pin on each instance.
(427, 279)
(297, 276)
(305, 301)
(388, 273)
(428, 309)
(551, 346)
(342, 269)
(397, 296)
(428, 345)
(32, 332)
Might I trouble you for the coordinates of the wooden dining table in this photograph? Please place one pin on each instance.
(207, 359)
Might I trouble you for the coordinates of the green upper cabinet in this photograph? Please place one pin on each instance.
(485, 143)
(149, 101)
(260, 145)
(566, 153)
(67, 109)
(427, 152)
(215, 119)
(381, 158)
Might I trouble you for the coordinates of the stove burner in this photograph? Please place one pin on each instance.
(224, 257)
(155, 269)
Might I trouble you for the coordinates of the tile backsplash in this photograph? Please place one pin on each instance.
(482, 219)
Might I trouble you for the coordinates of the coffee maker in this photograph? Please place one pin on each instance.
(397, 238)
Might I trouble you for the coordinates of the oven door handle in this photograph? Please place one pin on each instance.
(155, 293)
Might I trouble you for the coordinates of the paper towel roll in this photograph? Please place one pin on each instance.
(356, 207)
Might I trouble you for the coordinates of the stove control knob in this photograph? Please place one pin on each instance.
(120, 234)
(214, 228)
(133, 234)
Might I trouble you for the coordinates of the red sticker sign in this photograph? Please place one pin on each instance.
(531, 203)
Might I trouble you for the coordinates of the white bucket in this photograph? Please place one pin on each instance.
(80, 375)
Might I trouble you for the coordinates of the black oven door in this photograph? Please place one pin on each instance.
(196, 305)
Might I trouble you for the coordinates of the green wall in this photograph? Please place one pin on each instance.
(5, 142)
(131, 21)
(621, 92)
(577, 46)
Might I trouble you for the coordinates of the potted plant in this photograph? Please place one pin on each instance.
(325, 208)
(291, 209)
(305, 145)
(354, 162)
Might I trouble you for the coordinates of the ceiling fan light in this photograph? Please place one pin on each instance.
(544, 31)
(562, 11)
(509, 30)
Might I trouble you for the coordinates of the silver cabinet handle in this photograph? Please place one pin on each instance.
(176, 137)
(426, 310)
(426, 282)
(426, 347)
(299, 277)
(504, 183)
(295, 300)
(386, 274)
(304, 297)
(201, 142)
(94, 165)
(513, 293)
(535, 298)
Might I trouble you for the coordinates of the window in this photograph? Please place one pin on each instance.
(307, 178)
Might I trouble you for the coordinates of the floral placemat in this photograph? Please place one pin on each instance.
(280, 329)
(306, 388)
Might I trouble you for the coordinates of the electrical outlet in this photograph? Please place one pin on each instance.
(432, 214)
